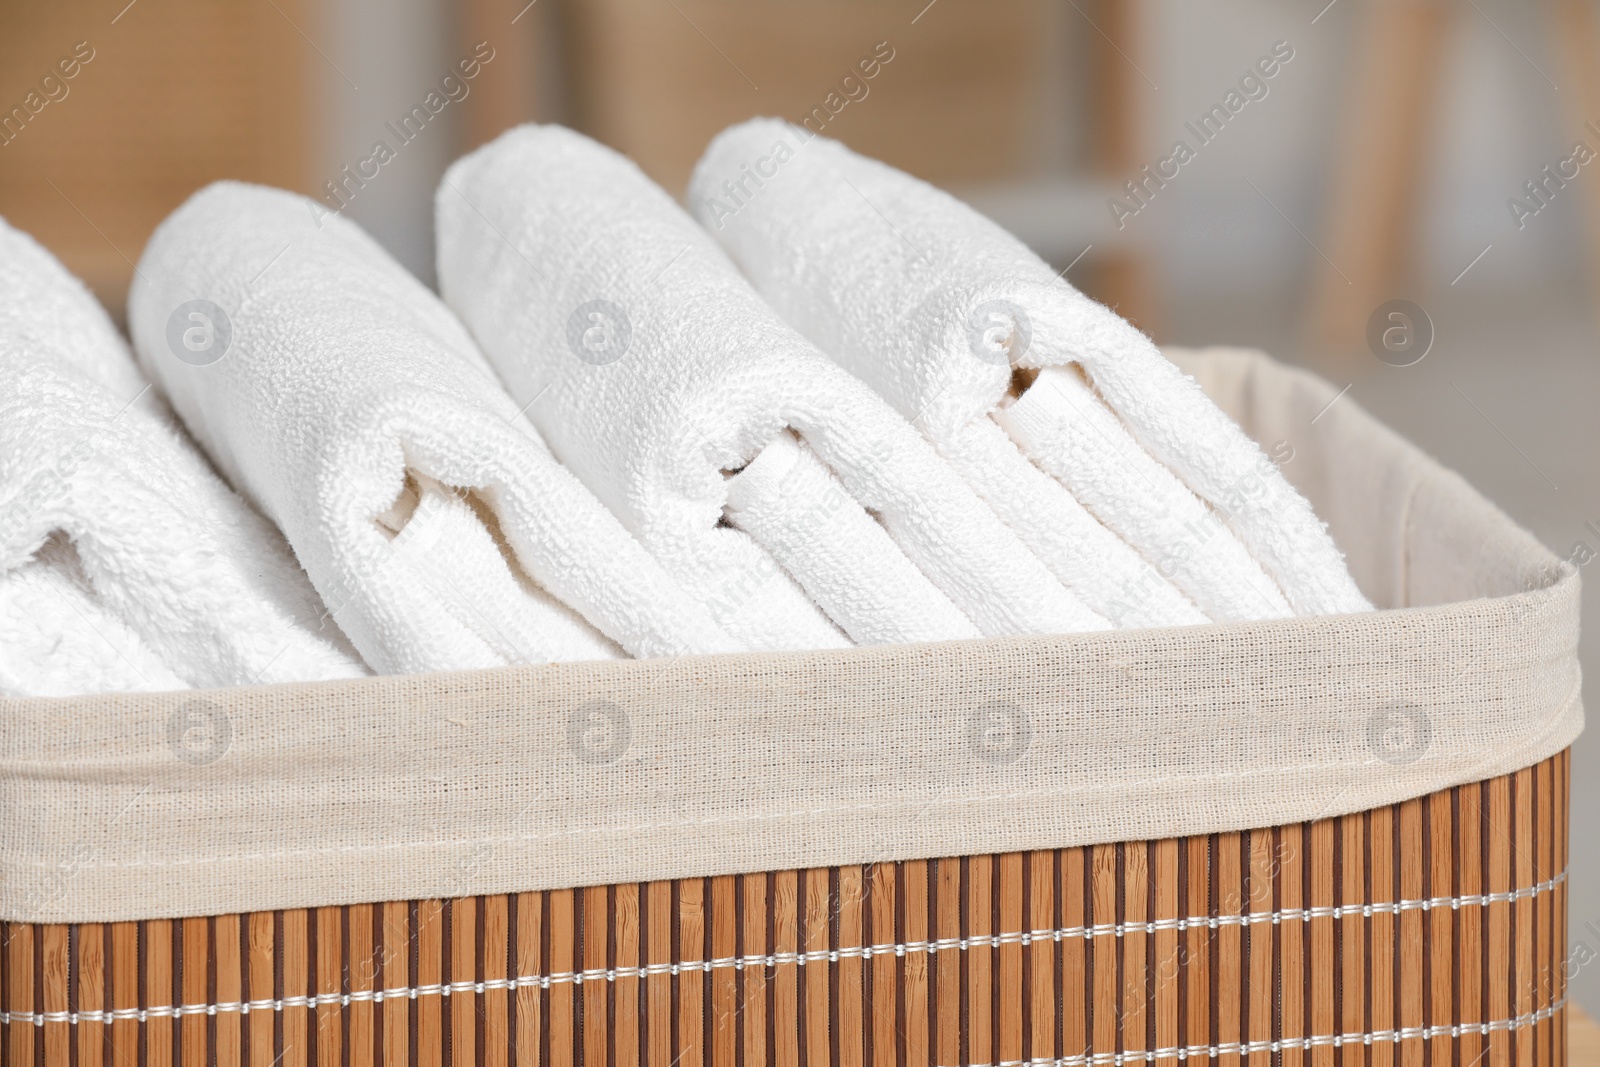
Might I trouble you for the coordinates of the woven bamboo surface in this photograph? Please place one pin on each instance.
(1426, 934)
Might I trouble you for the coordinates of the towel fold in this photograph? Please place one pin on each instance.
(125, 563)
(947, 316)
(344, 399)
(796, 509)
(57, 639)
(652, 368)
(1061, 425)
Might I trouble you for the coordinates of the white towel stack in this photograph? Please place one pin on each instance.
(665, 383)
(343, 398)
(125, 563)
(1108, 463)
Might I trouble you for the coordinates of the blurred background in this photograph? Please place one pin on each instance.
(1436, 151)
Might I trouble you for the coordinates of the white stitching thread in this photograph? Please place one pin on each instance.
(801, 959)
(1375, 1037)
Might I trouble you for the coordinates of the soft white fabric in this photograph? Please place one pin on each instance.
(57, 639)
(355, 410)
(1063, 427)
(125, 563)
(796, 509)
(939, 310)
(651, 366)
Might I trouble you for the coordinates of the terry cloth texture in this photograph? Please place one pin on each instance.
(125, 562)
(352, 407)
(1112, 455)
(653, 368)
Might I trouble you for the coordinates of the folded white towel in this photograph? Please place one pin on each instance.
(339, 394)
(796, 509)
(944, 314)
(652, 367)
(125, 563)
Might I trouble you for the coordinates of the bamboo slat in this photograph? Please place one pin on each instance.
(1197, 941)
(691, 985)
(91, 967)
(295, 963)
(594, 935)
(1321, 835)
(882, 930)
(946, 1006)
(1135, 893)
(1409, 983)
(1522, 938)
(1382, 938)
(560, 1036)
(1440, 946)
(365, 977)
(54, 994)
(1352, 938)
(1469, 868)
(1289, 859)
(194, 974)
(914, 993)
(786, 974)
(754, 942)
(53, 997)
(158, 990)
(1009, 995)
(1102, 978)
(1259, 941)
(625, 1025)
(394, 1036)
(1424, 934)
(263, 1028)
(1500, 931)
(124, 969)
(979, 926)
(1165, 955)
(330, 988)
(1040, 974)
(724, 980)
(1228, 997)
(529, 1002)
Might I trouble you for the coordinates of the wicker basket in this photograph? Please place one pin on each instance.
(1432, 931)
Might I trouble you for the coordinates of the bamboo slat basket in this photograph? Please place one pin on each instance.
(1196, 843)
(1427, 932)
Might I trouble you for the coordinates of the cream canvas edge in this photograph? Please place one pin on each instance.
(116, 808)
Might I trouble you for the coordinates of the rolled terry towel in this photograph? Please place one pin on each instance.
(1091, 445)
(125, 563)
(662, 379)
(343, 398)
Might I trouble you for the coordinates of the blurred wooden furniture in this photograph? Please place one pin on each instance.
(955, 103)
(1371, 229)
(1126, 280)
(178, 93)
(525, 82)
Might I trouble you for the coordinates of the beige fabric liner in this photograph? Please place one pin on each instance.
(112, 808)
